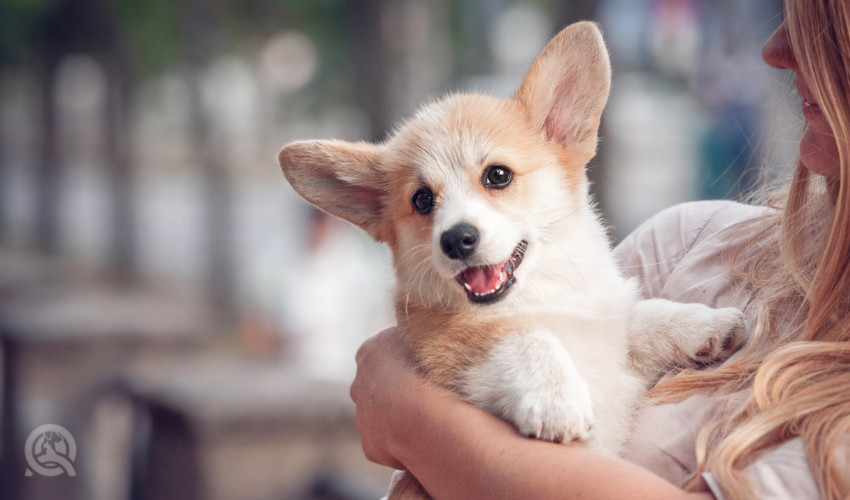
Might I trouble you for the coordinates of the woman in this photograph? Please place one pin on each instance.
(773, 422)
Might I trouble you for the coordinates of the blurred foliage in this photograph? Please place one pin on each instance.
(148, 29)
(19, 21)
(151, 32)
(154, 34)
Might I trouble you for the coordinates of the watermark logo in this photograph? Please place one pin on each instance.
(50, 451)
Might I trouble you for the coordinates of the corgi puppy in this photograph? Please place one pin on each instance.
(507, 291)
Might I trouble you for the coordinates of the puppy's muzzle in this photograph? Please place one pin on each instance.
(459, 241)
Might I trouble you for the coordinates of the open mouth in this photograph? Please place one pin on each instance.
(486, 284)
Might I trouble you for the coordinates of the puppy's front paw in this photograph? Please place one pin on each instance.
(530, 381)
(710, 335)
(556, 414)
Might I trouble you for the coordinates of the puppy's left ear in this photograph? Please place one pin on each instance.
(567, 87)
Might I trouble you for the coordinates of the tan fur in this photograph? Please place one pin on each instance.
(445, 344)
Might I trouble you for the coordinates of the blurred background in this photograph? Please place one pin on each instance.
(169, 301)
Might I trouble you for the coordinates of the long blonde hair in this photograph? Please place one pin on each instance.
(795, 374)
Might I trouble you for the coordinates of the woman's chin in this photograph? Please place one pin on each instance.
(819, 153)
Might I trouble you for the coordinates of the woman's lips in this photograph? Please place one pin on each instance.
(811, 110)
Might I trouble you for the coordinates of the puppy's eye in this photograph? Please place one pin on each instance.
(423, 200)
(497, 177)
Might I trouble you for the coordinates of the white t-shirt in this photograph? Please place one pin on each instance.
(678, 255)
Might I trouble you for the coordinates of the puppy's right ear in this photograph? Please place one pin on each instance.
(339, 177)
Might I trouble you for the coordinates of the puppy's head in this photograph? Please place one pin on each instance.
(472, 190)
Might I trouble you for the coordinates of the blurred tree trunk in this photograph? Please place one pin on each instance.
(89, 26)
(200, 28)
(49, 172)
(218, 201)
(4, 166)
(123, 258)
(370, 61)
(118, 150)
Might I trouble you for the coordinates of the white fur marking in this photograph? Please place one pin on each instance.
(530, 380)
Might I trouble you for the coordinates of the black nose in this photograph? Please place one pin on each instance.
(459, 241)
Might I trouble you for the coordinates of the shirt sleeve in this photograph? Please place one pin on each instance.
(781, 474)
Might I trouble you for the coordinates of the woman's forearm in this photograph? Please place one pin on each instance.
(458, 451)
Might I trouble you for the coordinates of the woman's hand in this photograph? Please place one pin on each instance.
(385, 391)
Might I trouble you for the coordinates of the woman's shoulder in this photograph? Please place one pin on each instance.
(693, 219)
(694, 233)
(682, 226)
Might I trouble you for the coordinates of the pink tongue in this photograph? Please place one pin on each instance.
(483, 279)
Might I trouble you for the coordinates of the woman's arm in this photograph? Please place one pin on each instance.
(459, 451)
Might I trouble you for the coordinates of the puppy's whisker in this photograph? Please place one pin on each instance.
(407, 253)
(563, 217)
